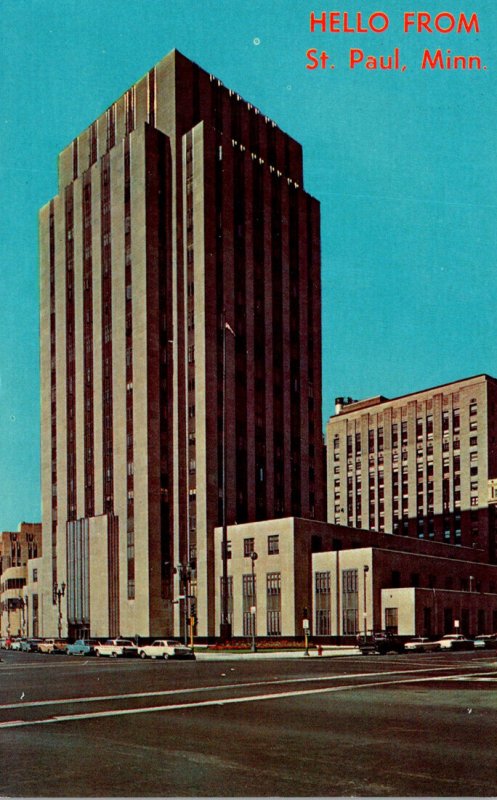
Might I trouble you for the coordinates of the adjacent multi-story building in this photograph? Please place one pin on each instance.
(20, 561)
(180, 299)
(419, 465)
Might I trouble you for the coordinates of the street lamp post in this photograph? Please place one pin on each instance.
(23, 602)
(253, 609)
(185, 575)
(59, 592)
(366, 570)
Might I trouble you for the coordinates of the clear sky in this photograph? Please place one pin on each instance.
(403, 162)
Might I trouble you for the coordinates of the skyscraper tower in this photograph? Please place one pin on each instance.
(180, 298)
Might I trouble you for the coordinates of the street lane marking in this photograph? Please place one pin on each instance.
(277, 682)
(220, 702)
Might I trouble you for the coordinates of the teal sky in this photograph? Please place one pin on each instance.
(404, 164)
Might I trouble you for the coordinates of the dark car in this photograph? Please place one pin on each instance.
(379, 643)
(30, 645)
(488, 641)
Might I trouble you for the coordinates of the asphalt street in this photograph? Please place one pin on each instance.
(366, 726)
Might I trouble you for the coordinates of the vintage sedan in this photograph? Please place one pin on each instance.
(80, 648)
(455, 641)
(30, 645)
(486, 640)
(166, 648)
(51, 646)
(116, 647)
(421, 645)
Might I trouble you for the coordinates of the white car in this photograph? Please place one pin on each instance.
(455, 641)
(166, 648)
(116, 647)
(421, 645)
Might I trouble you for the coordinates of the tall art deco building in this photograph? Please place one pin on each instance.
(181, 240)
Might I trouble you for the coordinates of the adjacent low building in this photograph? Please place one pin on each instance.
(342, 580)
(20, 570)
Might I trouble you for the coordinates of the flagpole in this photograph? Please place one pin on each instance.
(225, 623)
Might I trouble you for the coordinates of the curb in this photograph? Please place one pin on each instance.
(245, 655)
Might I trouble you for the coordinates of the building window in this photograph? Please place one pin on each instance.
(380, 439)
(392, 620)
(473, 441)
(371, 441)
(350, 601)
(248, 547)
(322, 603)
(273, 544)
(35, 576)
(273, 603)
(249, 602)
(229, 586)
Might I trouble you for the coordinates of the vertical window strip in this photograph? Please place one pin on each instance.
(88, 347)
(130, 110)
(106, 256)
(92, 156)
(128, 304)
(111, 127)
(165, 374)
(295, 380)
(53, 393)
(259, 342)
(190, 334)
(151, 97)
(75, 159)
(70, 354)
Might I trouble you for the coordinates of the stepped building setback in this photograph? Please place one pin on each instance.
(180, 299)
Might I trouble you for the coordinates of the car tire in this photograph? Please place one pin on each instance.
(98, 653)
(113, 655)
(143, 654)
(165, 657)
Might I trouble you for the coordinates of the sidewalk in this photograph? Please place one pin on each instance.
(203, 654)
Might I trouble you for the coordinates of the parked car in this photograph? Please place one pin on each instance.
(166, 648)
(116, 647)
(486, 640)
(379, 643)
(16, 644)
(455, 641)
(51, 646)
(80, 648)
(30, 645)
(421, 645)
